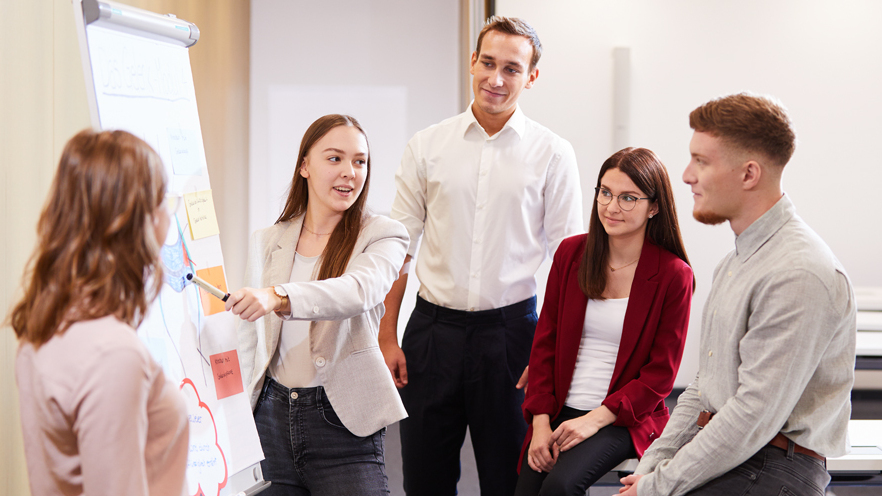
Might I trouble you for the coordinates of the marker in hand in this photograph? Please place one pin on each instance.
(207, 287)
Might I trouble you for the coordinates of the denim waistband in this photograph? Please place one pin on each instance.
(307, 396)
(493, 316)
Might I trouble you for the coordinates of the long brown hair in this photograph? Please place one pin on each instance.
(95, 237)
(647, 172)
(338, 251)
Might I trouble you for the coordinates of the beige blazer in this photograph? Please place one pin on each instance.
(345, 314)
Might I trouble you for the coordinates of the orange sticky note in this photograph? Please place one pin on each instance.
(215, 277)
(226, 372)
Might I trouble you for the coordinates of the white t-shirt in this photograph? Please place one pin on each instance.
(601, 335)
(292, 365)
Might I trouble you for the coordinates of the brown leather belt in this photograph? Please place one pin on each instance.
(703, 418)
(779, 441)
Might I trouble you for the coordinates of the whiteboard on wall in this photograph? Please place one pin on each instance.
(138, 77)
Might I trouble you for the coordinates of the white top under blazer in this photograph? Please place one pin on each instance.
(596, 361)
(292, 364)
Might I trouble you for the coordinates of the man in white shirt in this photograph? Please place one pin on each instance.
(492, 193)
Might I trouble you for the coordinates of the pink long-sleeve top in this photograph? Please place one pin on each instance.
(99, 416)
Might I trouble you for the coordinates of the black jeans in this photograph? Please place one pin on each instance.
(771, 472)
(462, 368)
(309, 452)
(578, 468)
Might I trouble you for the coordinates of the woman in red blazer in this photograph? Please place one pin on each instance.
(611, 332)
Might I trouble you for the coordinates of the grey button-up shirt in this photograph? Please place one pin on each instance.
(777, 355)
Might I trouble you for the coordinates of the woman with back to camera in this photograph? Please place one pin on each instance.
(320, 389)
(611, 333)
(98, 415)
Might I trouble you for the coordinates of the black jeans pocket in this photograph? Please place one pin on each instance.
(328, 414)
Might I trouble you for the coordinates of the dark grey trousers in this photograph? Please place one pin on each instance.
(771, 471)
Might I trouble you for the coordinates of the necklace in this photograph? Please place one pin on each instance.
(623, 266)
(317, 234)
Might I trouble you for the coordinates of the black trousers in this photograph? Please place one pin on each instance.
(462, 368)
(578, 468)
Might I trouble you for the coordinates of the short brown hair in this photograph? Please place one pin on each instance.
(96, 251)
(517, 27)
(749, 122)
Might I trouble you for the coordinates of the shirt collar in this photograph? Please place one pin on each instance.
(517, 122)
(762, 229)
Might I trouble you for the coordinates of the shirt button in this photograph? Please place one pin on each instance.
(320, 362)
(315, 309)
(710, 353)
(471, 309)
(484, 172)
(293, 395)
(730, 273)
(699, 393)
(715, 313)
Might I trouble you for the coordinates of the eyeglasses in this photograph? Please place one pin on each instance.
(626, 202)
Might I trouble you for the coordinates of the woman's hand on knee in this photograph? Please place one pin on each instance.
(542, 454)
(572, 432)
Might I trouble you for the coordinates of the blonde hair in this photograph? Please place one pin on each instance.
(96, 245)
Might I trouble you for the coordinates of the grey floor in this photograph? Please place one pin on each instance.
(865, 406)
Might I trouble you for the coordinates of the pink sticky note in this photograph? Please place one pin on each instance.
(226, 372)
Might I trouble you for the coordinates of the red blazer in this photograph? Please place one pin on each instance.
(651, 347)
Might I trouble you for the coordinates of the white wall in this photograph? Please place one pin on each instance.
(312, 57)
(822, 59)
(309, 59)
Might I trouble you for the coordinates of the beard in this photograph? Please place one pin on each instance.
(708, 218)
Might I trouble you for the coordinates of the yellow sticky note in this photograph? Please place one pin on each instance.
(200, 213)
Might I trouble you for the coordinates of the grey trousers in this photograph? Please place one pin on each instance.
(771, 472)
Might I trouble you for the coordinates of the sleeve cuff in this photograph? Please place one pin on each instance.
(644, 485)
(540, 404)
(618, 404)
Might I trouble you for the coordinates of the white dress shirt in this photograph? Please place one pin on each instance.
(490, 208)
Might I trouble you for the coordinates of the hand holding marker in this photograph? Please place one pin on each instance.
(207, 287)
